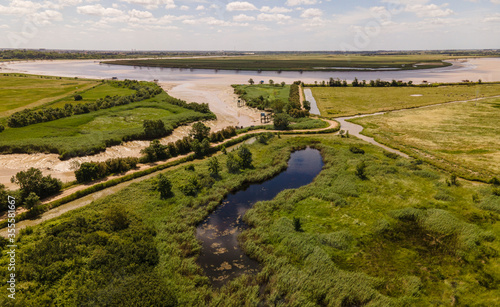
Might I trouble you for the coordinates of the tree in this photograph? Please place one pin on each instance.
(199, 131)
(281, 121)
(271, 82)
(154, 128)
(32, 180)
(88, 171)
(283, 84)
(164, 186)
(155, 151)
(232, 163)
(307, 105)
(200, 148)
(78, 97)
(251, 81)
(31, 201)
(214, 167)
(2, 128)
(245, 156)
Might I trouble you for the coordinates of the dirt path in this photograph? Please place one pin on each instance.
(52, 213)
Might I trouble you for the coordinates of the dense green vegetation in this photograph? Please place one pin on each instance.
(263, 96)
(142, 91)
(90, 133)
(91, 95)
(459, 137)
(345, 101)
(400, 236)
(299, 62)
(19, 90)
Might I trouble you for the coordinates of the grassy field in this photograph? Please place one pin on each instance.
(267, 91)
(20, 91)
(92, 132)
(298, 62)
(91, 95)
(400, 237)
(346, 101)
(461, 137)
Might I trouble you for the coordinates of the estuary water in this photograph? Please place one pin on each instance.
(221, 257)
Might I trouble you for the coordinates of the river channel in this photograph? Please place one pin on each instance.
(221, 257)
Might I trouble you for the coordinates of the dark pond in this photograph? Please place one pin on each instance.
(221, 256)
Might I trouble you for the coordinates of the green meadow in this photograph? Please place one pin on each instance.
(92, 132)
(91, 95)
(459, 137)
(19, 90)
(393, 235)
(347, 101)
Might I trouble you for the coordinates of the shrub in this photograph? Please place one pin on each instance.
(297, 224)
(117, 217)
(2, 128)
(88, 171)
(494, 181)
(232, 163)
(164, 186)
(281, 121)
(155, 152)
(391, 155)
(356, 150)
(264, 137)
(361, 170)
(191, 187)
(245, 156)
(154, 128)
(31, 201)
(32, 180)
(214, 167)
(78, 97)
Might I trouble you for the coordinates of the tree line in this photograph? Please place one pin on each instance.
(34, 116)
(90, 171)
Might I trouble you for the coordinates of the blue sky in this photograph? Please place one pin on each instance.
(250, 25)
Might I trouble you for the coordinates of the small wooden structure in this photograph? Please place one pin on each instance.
(241, 103)
(265, 117)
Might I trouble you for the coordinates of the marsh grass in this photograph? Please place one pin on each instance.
(461, 138)
(389, 243)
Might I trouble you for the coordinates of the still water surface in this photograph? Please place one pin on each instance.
(221, 257)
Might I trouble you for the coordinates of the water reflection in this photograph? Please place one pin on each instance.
(221, 256)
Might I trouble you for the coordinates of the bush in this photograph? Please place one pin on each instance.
(361, 170)
(245, 156)
(164, 186)
(32, 180)
(89, 171)
(297, 224)
(154, 129)
(31, 201)
(199, 131)
(232, 163)
(391, 155)
(214, 167)
(2, 128)
(155, 152)
(281, 121)
(78, 97)
(264, 137)
(356, 150)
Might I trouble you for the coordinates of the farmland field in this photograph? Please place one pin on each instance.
(460, 137)
(347, 101)
(18, 90)
(397, 237)
(314, 62)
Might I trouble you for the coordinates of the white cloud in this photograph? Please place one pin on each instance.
(300, 2)
(492, 18)
(240, 6)
(430, 10)
(495, 1)
(4, 27)
(261, 28)
(98, 10)
(276, 9)
(273, 17)
(243, 17)
(140, 14)
(311, 13)
(184, 8)
(152, 4)
(200, 8)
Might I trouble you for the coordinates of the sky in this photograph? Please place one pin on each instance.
(254, 25)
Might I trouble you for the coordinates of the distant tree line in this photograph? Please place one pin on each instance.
(35, 116)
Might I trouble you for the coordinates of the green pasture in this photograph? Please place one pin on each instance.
(91, 95)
